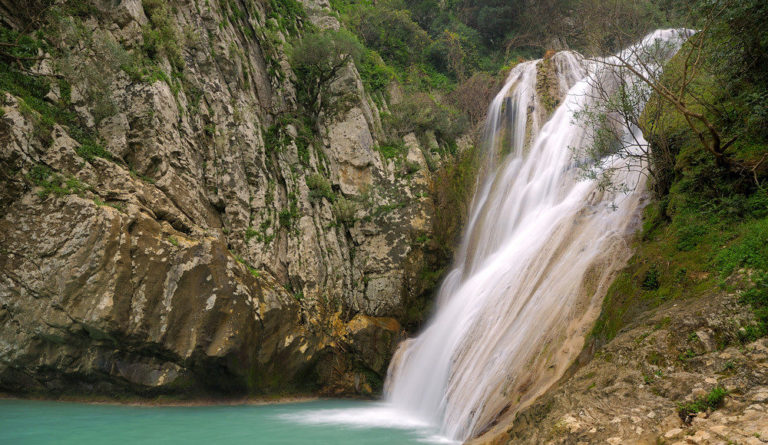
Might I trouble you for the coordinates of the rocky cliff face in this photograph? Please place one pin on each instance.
(204, 241)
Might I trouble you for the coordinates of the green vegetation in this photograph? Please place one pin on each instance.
(254, 273)
(344, 210)
(161, 37)
(320, 187)
(317, 59)
(289, 15)
(709, 402)
(757, 298)
(707, 230)
(286, 217)
(394, 149)
(18, 54)
(55, 183)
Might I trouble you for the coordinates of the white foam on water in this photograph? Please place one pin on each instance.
(380, 415)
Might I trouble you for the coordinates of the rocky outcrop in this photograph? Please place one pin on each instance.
(634, 389)
(196, 252)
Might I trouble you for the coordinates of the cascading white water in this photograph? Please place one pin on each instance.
(539, 250)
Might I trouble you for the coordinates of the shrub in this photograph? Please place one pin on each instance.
(289, 14)
(161, 38)
(319, 187)
(711, 401)
(651, 280)
(392, 149)
(344, 210)
(391, 32)
(52, 182)
(757, 298)
(750, 251)
(90, 149)
(419, 113)
(474, 94)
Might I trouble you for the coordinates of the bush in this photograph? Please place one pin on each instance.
(161, 38)
(392, 149)
(319, 187)
(757, 298)
(711, 401)
(52, 182)
(419, 113)
(474, 94)
(391, 32)
(751, 251)
(289, 14)
(651, 280)
(344, 210)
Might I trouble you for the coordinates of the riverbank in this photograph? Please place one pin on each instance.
(169, 401)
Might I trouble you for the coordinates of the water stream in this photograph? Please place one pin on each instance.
(540, 248)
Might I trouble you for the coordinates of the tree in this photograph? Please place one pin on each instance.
(694, 91)
(617, 118)
(317, 59)
(474, 94)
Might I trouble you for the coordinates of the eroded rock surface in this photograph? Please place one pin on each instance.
(631, 391)
(198, 256)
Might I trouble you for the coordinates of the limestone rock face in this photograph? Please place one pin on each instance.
(194, 253)
(92, 292)
(631, 392)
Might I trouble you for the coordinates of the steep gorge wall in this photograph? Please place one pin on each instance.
(193, 255)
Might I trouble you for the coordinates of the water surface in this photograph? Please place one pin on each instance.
(316, 422)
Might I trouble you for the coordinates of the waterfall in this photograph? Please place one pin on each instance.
(540, 248)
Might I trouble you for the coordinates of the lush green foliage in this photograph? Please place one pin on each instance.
(419, 112)
(317, 59)
(289, 15)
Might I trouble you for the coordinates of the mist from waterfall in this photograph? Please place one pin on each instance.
(540, 248)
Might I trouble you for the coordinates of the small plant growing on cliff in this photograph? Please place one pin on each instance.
(344, 210)
(651, 280)
(161, 36)
(55, 183)
(711, 401)
(250, 233)
(757, 298)
(392, 149)
(319, 187)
